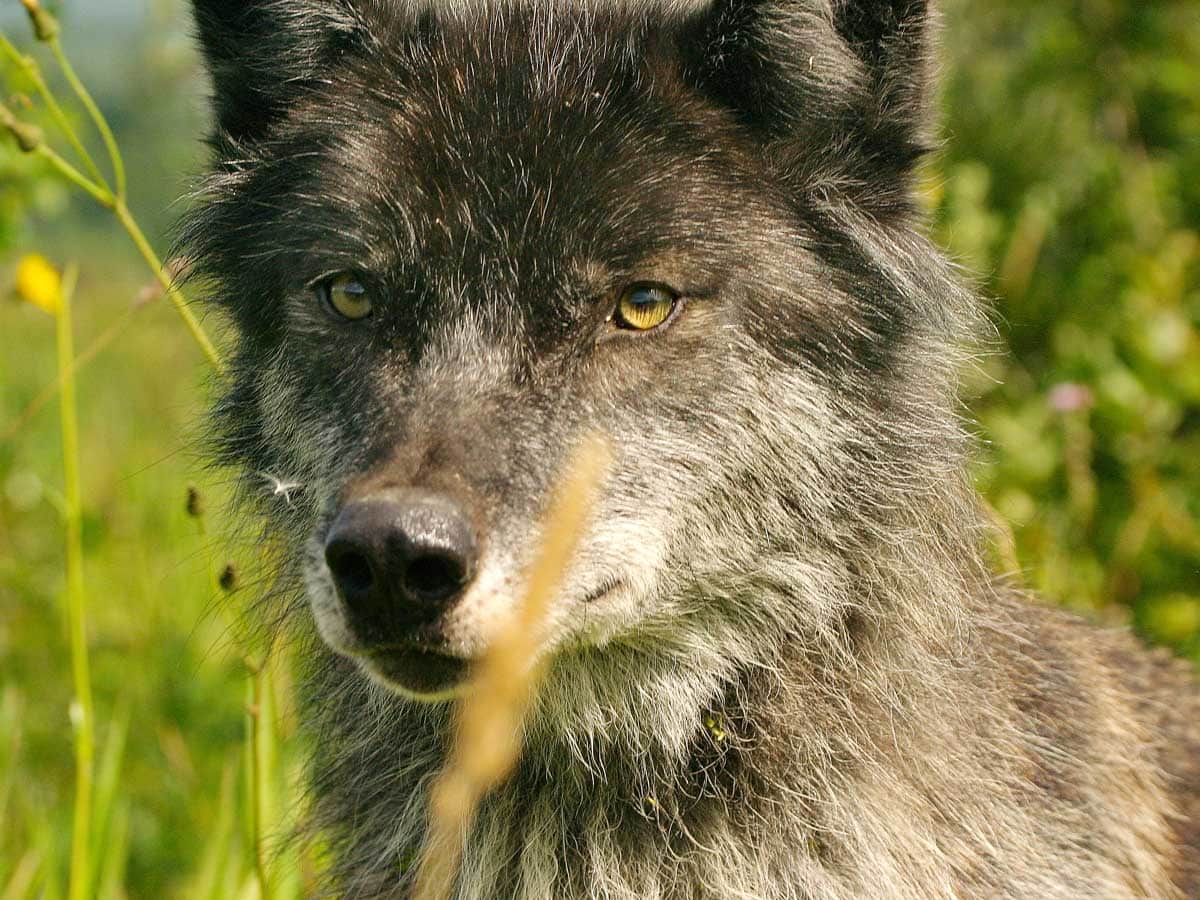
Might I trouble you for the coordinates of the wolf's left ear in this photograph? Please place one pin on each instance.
(846, 79)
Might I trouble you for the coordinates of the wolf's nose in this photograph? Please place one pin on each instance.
(399, 558)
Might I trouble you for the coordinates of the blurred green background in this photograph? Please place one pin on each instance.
(1069, 181)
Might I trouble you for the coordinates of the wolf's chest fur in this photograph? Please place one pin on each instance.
(950, 764)
(452, 241)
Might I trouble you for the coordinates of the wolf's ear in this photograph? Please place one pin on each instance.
(261, 53)
(235, 38)
(850, 75)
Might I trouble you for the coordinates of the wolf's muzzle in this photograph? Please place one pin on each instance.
(400, 558)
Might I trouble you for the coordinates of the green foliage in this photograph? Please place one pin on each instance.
(105, 851)
(1069, 182)
(26, 185)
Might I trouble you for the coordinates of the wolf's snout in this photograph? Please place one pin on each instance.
(399, 558)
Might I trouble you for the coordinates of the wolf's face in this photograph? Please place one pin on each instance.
(454, 243)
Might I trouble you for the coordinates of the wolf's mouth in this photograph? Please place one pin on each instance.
(429, 675)
(422, 674)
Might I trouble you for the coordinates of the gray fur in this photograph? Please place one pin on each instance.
(780, 666)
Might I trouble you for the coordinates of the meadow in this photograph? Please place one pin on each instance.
(1066, 181)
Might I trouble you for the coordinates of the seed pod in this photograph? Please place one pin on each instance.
(194, 504)
(45, 26)
(27, 136)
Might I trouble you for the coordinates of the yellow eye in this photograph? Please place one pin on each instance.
(347, 296)
(644, 306)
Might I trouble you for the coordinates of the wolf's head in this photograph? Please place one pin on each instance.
(454, 239)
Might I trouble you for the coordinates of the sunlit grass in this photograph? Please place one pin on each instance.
(103, 814)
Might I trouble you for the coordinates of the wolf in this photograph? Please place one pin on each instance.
(452, 239)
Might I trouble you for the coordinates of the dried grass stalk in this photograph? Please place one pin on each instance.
(488, 736)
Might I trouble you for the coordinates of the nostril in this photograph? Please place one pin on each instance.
(434, 577)
(399, 559)
(350, 568)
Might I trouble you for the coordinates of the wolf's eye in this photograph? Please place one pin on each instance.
(644, 306)
(346, 296)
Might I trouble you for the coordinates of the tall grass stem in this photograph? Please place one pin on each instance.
(97, 188)
(98, 192)
(82, 711)
(259, 713)
(110, 142)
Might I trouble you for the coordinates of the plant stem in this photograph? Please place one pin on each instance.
(34, 73)
(110, 142)
(168, 283)
(82, 713)
(487, 736)
(105, 198)
(258, 712)
(99, 193)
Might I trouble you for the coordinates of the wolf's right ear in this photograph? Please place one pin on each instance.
(261, 54)
(850, 76)
(235, 38)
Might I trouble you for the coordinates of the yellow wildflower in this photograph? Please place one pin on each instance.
(39, 283)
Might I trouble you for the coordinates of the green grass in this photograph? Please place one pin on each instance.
(163, 677)
(161, 647)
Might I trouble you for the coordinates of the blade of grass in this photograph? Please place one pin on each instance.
(81, 708)
(24, 876)
(10, 732)
(111, 878)
(293, 870)
(45, 840)
(258, 716)
(108, 779)
(211, 878)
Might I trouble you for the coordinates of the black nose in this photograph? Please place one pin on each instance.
(399, 558)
